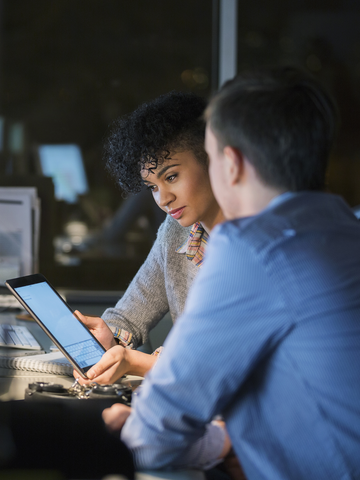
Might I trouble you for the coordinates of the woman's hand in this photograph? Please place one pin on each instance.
(231, 463)
(112, 366)
(99, 329)
(115, 363)
(115, 416)
(227, 442)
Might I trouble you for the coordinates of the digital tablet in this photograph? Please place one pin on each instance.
(58, 321)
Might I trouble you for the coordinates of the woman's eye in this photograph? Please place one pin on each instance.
(170, 178)
(150, 187)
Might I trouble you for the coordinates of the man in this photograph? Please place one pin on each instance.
(270, 336)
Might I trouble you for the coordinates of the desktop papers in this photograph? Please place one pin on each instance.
(19, 231)
(54, 363)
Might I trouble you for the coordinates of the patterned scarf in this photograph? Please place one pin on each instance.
(195, 245)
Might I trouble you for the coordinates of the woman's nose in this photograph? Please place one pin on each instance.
(163, 197)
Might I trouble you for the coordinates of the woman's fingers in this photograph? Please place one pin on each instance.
(111, 366)
(90, 322)
(98, 328)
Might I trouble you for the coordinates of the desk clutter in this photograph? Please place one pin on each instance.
(15, 336)
(8, 301)
(54, 363)
(115, 393)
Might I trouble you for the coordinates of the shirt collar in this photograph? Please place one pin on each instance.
(283, 197)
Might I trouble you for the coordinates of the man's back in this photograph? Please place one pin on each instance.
(271, 338)
(303, 397)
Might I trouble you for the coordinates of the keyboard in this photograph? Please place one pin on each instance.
(17, 337)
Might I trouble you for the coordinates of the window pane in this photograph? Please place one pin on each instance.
(69, 68)
(324, 38)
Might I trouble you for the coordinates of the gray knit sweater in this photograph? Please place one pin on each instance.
(161, 285)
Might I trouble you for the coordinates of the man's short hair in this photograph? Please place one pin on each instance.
(282, 120)
(171, 123)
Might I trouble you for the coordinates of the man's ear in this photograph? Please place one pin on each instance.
(234, 164)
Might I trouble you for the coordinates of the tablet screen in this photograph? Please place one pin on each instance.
(61, 323)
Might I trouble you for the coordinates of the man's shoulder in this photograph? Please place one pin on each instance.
(306, 212)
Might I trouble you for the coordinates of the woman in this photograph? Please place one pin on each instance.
(160, 145)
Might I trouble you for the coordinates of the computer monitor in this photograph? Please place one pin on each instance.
(64, 163)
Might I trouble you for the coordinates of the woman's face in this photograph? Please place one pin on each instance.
(181, 187)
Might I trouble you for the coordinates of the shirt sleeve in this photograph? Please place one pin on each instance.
(145, 301)
(233, 317)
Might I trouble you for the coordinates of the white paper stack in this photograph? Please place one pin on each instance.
(19, 231)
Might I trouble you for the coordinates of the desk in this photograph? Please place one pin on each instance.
(14, 382)
(12, 386)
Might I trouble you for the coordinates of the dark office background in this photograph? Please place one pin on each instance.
(68, 68)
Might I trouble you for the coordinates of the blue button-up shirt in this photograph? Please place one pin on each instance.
(271, 338)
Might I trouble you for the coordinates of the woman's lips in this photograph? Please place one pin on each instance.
(177, 212)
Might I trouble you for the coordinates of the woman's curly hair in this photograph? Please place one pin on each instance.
(171, 123)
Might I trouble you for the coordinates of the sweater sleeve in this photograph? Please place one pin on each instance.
(145, 301)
